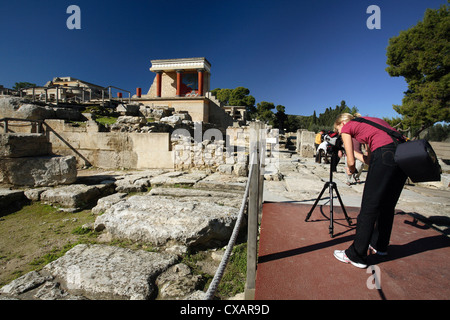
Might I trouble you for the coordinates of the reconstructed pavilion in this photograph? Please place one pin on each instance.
(184, 85)
(180, 77)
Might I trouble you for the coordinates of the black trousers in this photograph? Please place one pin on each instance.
(383, 186)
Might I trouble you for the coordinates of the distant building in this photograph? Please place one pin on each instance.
(184, 85)
(179, 84)
(66, 89)
(180, 77)
(5, 91)
(238, 113)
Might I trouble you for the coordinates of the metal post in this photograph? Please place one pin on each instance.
(40, 127)
(253, 208)
(262, 158)
(110, 103)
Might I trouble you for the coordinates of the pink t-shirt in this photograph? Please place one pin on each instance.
(365, 133)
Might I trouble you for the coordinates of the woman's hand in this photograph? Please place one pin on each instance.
(350, 169)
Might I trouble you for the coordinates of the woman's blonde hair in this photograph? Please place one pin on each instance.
(344, 117)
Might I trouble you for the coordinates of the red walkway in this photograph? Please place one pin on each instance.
(295, 259)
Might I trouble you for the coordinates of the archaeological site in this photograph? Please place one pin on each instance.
(164, 171)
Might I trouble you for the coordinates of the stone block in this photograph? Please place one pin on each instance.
(305, 143)
(10, 200)
(128, 109)
(162, 220)
(38, 171)
(77, 196)
(226, 168)
(17, 145)
(240, 170)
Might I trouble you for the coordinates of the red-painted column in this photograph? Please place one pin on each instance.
(138, 92)
(179, 77)
(200, 82)
(158, 83)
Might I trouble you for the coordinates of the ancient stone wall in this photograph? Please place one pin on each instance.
(305, 143)
(25, 160)
(110, 150)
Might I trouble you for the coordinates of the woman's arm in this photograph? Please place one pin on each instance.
(363, 157)
(348, 146)
(359, 156)
(367, 157)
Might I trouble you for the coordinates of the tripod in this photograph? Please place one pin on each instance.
(331, 185)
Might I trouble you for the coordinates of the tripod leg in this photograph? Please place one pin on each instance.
(349, 220)
(317, 200)
(331, 227)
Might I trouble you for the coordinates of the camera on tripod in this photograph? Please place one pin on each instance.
(334, 145)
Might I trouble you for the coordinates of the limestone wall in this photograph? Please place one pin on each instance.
(218, 115)
(168, 85)
(110, 150)
(212, 148)
(198, 108)
(18, 145)
(25, 161)
(305, 143)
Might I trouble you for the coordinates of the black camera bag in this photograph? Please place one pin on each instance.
(416, 158)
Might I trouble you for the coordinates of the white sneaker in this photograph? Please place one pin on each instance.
(380, 253)
(341, 256)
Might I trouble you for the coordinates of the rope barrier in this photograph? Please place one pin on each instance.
(223, 263)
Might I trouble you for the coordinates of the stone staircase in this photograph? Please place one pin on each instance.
(213, 99)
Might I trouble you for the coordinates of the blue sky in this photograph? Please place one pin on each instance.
(305, 55)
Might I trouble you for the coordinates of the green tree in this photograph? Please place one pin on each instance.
(23, 85)
(239, 96)
(215, 91)
(223, 95)
(280, 117)
(295, 122)
(421, 55)
(326, 119)
(438, 132)
(264, 112)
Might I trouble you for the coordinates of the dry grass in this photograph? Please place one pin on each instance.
(36, 235)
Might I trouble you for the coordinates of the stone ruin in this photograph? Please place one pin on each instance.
(143, 137)
(26, 160)
(172, 218)
(192, 204)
